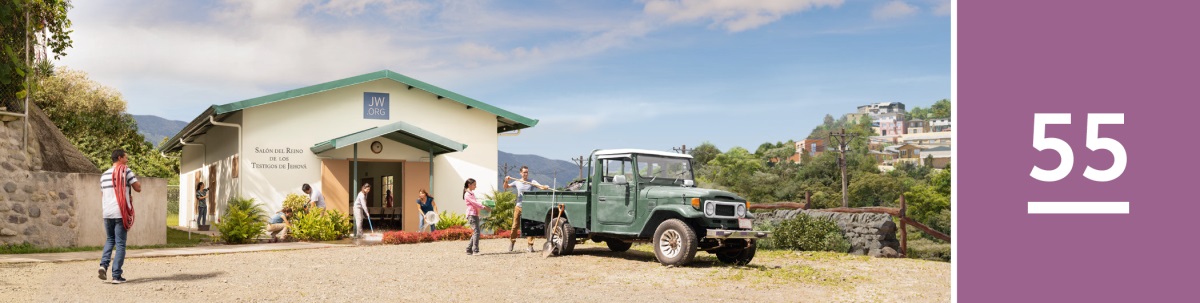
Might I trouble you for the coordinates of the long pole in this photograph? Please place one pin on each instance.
(28, 87)
(354, 178)
(842, 136)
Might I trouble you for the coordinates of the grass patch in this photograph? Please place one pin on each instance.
(793, 273)
(172, 219)
(175, 239)
(926, 249)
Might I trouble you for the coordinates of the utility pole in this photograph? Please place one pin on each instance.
(844, 138)
(506, 168)
(579, 161)
(682, 149)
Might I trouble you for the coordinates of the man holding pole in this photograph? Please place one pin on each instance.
(523, 185)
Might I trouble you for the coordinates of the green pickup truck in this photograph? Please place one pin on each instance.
(633, 195)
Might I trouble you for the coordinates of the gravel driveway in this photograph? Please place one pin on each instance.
(442, 272)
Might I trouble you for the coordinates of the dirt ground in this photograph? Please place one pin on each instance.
(442, 272)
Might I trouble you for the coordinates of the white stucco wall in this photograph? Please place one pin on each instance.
(219, 146)
(287, 129)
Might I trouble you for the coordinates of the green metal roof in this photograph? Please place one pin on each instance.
(400, 132)
(506, 120)
(520, 121)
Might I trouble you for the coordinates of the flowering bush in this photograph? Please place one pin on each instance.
(453, 234)
(501, 234)
(406, 237)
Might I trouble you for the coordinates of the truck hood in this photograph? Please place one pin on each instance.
(660, 192)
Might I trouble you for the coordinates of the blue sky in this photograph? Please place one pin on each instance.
(652, 74)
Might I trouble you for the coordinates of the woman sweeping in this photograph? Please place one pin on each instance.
(360, 208)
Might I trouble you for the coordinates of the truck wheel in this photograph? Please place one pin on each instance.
(618, 245)
(563, 236)
(674, 243)
(737, 256)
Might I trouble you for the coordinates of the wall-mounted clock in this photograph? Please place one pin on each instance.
(376, 147)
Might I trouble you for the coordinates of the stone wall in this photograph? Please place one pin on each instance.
(55, 209)
(869, 234)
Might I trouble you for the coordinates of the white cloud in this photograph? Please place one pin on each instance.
(392, 8)
(895, 9)
(942, 8)
(732, 15)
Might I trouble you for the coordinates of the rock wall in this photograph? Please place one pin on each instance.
(58, 209)
(869, 234)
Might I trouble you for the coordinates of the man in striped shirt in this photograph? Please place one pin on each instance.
(114, 228)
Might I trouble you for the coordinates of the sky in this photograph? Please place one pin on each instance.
(648, 74)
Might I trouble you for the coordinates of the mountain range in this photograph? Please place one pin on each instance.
(156, 128)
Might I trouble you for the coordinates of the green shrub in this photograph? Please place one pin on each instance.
(926, 249)
(768, 242)
(447, 220)
(319, 225)
(295, 202)
(242, 222)
(502, 214)
(809, 234)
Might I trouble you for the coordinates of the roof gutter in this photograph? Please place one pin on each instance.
(239, 149)
(511, 134)
(203, 152)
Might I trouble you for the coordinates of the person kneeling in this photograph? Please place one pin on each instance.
(279, 225)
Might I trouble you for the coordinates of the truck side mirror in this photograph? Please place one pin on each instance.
(620, 180)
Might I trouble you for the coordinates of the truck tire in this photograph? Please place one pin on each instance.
(564, 234)
(618, 245)
(737, 256)
(674, 243)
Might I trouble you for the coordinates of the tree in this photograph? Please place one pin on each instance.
(93, 118)
(762, 148)
(704, 153)
(927, 206)
(940, 109)
(940, 181)
(828, 121)
(917, 113)
(40, 23)
(734, 168)
(875, 190)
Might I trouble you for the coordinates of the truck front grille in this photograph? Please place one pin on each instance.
(725, 210)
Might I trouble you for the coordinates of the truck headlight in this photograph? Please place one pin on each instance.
(710, 209)
(741, 211)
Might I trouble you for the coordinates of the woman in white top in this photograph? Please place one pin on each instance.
(360, 208)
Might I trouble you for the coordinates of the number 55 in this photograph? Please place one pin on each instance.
(1094, 142)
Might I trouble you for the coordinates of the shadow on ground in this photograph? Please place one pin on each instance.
(177, 277)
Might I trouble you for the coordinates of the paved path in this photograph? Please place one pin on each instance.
(163, 252)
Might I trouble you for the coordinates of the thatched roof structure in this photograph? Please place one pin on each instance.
(58, 154)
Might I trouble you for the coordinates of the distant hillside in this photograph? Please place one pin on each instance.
(541, 169)
(155, 128)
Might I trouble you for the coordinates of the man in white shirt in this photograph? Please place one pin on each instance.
(114, 227)
(523, 185)
(315, 198)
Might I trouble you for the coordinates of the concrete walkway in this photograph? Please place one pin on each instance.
(163, 252)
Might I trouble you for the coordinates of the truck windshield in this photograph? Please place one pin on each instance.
(658, 169)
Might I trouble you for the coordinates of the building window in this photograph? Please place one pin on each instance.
(388, 188)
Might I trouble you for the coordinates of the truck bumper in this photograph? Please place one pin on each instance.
(736, 234)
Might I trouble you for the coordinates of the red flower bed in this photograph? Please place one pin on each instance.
(406, 237)
(501, 234)
(453, 234)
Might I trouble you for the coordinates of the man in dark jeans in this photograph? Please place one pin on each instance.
(118, 218)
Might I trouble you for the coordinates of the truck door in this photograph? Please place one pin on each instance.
(614, 194)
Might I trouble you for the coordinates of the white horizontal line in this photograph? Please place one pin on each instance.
(1079, 207)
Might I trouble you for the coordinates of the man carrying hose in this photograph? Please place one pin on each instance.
(523, 185)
